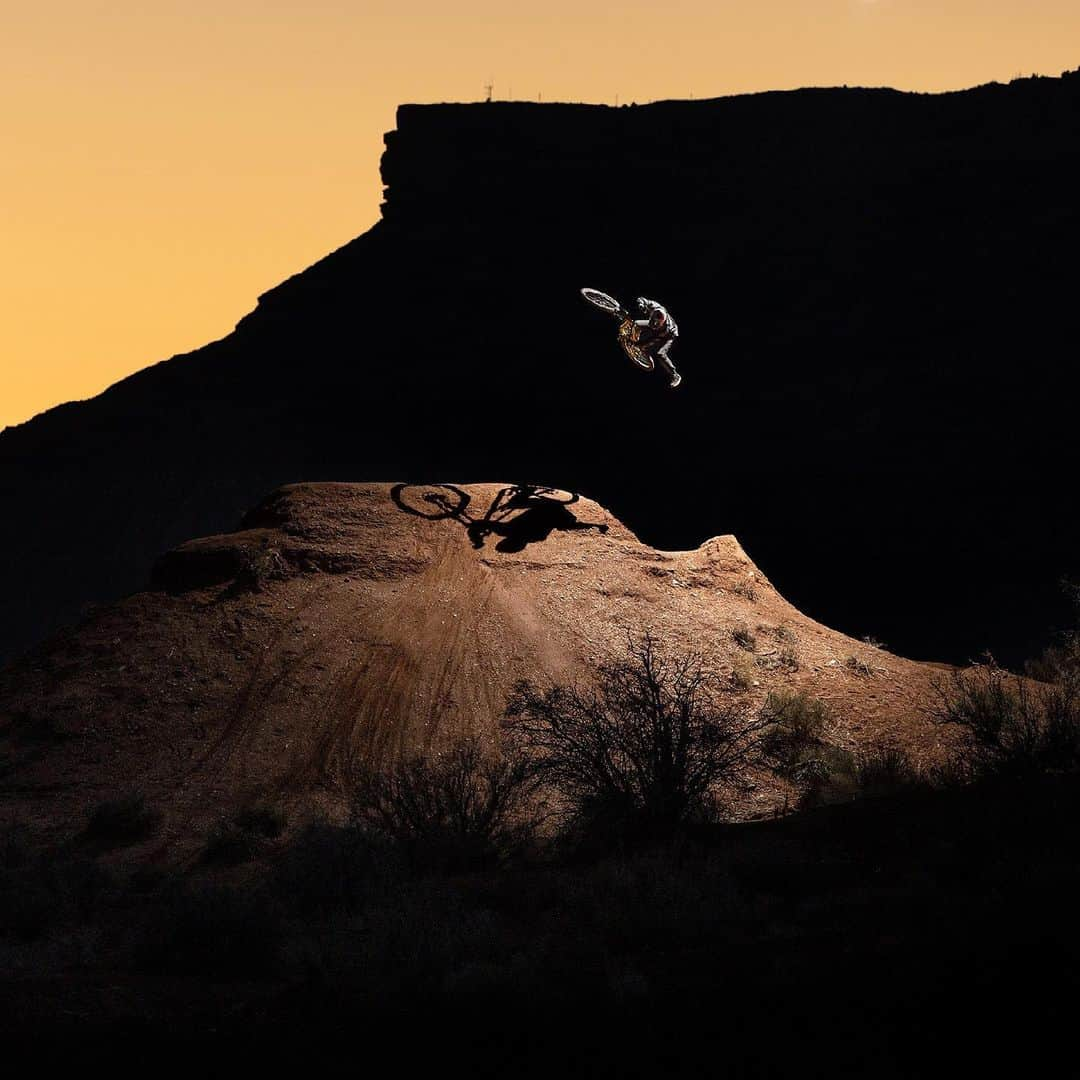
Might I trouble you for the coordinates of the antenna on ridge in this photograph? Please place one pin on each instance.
(489, 89)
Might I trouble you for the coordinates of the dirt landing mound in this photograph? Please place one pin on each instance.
(350, 622)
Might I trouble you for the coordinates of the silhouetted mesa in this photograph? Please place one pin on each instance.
(876, 303)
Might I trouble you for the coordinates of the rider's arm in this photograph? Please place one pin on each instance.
(653, 326)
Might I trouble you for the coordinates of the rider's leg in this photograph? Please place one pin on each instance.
(661, 354)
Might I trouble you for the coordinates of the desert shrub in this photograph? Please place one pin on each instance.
(229, 845)
(859, 667)
(644, 750)
(1012, 727)
(240, 839)
(782, 659)
(428, 938)
(746, 590)
(47, 892)
(260, 567)
(954, 771)
(463, 808)
(147, 878)
(649, 901)
(744, 637)
(796, 747)
(438, 940)
(262, 819)
(886, 770)
(786, 635)
(212, 931)
(121, 823)
(795, 725)
(743, 671)
(332, 868)
(828, 774)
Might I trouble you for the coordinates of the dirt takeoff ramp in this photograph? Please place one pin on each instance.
(346, 623)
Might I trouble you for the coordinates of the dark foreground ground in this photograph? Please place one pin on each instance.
(874, 937)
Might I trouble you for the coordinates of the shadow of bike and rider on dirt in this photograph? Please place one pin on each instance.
(520, 515)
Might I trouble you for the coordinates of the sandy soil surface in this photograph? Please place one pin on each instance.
(347, 623)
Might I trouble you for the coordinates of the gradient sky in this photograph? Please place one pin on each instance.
(164, 162)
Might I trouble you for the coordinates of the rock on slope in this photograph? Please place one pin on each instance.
(350, 622)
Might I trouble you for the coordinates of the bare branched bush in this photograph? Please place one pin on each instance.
(465, 808)
(1013, 726)
(645, 750)
(1058, 664)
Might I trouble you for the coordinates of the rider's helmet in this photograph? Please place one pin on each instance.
(642, 304)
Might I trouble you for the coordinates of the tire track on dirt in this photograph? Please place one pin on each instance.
(401, 697)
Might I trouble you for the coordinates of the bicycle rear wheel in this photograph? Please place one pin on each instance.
(539, 491)
(628, 334)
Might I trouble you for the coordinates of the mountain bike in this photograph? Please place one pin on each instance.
(629, 331)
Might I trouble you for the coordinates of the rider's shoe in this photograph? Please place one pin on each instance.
(675, 380)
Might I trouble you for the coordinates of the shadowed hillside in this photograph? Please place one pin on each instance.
(876, 298)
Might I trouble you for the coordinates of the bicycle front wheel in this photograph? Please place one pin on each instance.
(431, 501)
(602, 301)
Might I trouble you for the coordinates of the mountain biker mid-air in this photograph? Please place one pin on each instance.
(647, 337)
(658, 332)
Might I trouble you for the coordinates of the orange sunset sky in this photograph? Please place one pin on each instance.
(165, 162)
